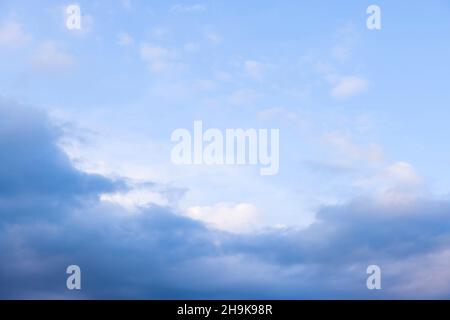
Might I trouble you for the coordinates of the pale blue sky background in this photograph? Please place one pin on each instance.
(362, 114)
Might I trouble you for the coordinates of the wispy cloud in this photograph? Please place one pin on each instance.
(197, 7)
(12, 34)
(349, 86)
(124, 39)
(49, 56)
(241, 217)
(254, 69)
(212, 37)
(126, 4)
(159, 58)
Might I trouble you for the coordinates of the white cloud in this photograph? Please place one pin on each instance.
(238, 218)
(127, 4)
(341, 52)
(254, 69)
(270, 114)
(396, 184)
(349, 86)
(213, 37)
(387, 183)
(159, 32)
(48, 56)
(399, 174)
(344, 145)
(243, 97)
(136, 199)
(223, 76)
(191, 47)
(198, 7)
(205, 85)
(124, 39)
(159, 58)
(346, 38)
(12, 34)
(403, 174)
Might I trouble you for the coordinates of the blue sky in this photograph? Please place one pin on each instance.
(86, 122)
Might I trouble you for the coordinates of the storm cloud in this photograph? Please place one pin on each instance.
(51, 216)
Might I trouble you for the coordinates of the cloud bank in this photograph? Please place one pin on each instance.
(51, 216)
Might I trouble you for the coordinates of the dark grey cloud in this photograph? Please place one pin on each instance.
(34, 173)
(50, 217)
